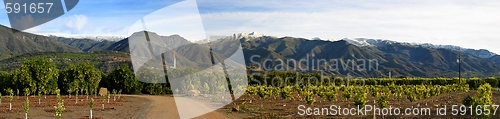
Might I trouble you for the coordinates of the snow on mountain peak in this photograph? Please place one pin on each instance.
(368, 42)
(363, 42)
(88, 36)
(249, 35)
(246, 35)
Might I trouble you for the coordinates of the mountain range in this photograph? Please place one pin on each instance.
(399, 58)
(364, 42)
(12, 44)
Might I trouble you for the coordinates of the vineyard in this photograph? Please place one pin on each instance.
(292, 101)
(358, 94)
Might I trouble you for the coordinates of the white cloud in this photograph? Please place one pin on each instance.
(76, 23)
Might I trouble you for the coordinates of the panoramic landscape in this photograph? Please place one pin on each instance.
(76, 69)
(241, 59)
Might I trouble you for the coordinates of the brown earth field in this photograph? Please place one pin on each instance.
(247, 106)
(251, 106)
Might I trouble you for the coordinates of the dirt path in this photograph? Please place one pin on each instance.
(164, 107)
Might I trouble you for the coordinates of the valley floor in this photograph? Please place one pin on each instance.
(250, 106)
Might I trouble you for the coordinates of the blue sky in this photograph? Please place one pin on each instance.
(471, 24)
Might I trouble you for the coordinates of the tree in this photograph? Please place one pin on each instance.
(5, 80)
(36, 74)
(492, 81)
(152, 78)
(81, 77)
(123, 78)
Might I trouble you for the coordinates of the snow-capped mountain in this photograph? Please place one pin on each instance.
(482, 53)
(235, 36)
(363, 42)
(245, 35)
(91, 37)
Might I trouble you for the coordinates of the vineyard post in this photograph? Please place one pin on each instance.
(39, 96)
(102, 101)
(26, 108)
(10, 101)
(76, 96)
(108, 96)
(91, 106)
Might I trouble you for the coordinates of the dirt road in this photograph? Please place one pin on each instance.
(164, 107)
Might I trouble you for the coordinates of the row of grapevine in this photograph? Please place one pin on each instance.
(316, 79)
(358, 94)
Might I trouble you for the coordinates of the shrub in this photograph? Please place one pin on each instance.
(484, 97)
(468, 101)
(360, 98)
(474, 83)
(492, 81)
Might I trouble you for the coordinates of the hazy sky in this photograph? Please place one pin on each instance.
(471, 24)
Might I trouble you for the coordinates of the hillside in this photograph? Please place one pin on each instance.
(106, 61)
(12, 44)
(86, 45)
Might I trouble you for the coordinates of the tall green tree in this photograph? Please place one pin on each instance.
(123, 78)
(152, 87)
(83, 77)
(4, 80)
(35, 74)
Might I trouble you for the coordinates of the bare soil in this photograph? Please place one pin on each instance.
(252, 106)
(123, 107)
